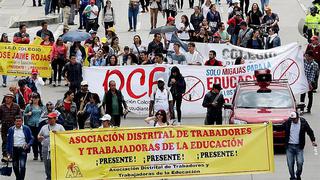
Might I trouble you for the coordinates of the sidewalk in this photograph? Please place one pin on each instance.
(15, 12)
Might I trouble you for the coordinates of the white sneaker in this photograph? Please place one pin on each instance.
(54, 84)
(178, 123)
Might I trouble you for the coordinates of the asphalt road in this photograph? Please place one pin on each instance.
(290, 12)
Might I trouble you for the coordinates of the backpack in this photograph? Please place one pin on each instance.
(31, 85)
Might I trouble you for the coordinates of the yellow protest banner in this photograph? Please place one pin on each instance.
(183, 151)
(19, 59)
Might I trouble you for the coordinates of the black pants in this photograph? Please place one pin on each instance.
(180, 4)
(191, 3)
(74, 86)
(57, 65)
(310, 97)
(108, 25)
(177, 100)
(34, 2)
(82, 18)
(212, 119)
(19, 160)
(54, 6)
(4, 132)
(36, 146)
(81, 119)
(92, 24)
(246, 6)
(171, 13)
(115, 120)
(144, 4)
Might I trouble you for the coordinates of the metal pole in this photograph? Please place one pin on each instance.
(251, 176)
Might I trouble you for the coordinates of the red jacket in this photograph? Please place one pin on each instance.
(213, 62)
(26, 92)
(316, 51)
(17, 38)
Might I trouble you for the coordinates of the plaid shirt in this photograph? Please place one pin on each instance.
(310, 69)
(8, 115)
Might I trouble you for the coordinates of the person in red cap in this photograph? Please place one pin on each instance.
(44, 138)
(314, 46)
(92, 13)
(167, 36)
(34, 82)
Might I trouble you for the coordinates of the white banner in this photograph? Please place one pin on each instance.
(227, 53)
(138, 82)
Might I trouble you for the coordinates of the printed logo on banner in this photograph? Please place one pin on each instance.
(73, 171)
(287, 69)
(195, 89)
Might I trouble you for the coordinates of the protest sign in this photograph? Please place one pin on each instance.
(227, 53)
(181, 151)
(19, 59)
(138, 82)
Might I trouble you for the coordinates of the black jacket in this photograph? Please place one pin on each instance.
(51, 37)
(83, 51)
(107, 102)
(179, 87)
(207, 103)
(250, 44)
(304, 128)
(155, 48)
(196, 20)
(73, 72)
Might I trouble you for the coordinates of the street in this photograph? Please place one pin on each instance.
(290, 13)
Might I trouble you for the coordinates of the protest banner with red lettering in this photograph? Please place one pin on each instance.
(19, 59)
(227, 53)
(164, 152)
(138, 82)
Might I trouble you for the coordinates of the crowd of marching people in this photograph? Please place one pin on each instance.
(256, 27)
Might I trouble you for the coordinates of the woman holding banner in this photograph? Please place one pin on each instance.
(159, 120)
(4, 39)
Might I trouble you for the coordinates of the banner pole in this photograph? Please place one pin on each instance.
(251, 176)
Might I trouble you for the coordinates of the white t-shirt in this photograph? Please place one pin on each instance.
(45, 132)
(193, 58)
(184, 35)
(141, 48)
(205, 10)
(95, 9)
(161, 99)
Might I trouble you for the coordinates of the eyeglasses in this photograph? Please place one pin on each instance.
(159, 114)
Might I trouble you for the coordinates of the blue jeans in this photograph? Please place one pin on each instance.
(4, 79)
(234, 39)
(132, 16)
(82, 18)
(263, 4)
(294, 153)
(19, 159)
(47, 7)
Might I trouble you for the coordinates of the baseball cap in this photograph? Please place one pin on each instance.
(314, 38)
(161, 79)
(216, 35)
(10, 94)
(92, 31)
(52, 115)
(84, 83)
(104, 40)
(105, 117)
(170, 18)
(293, 115)
(34, 71)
